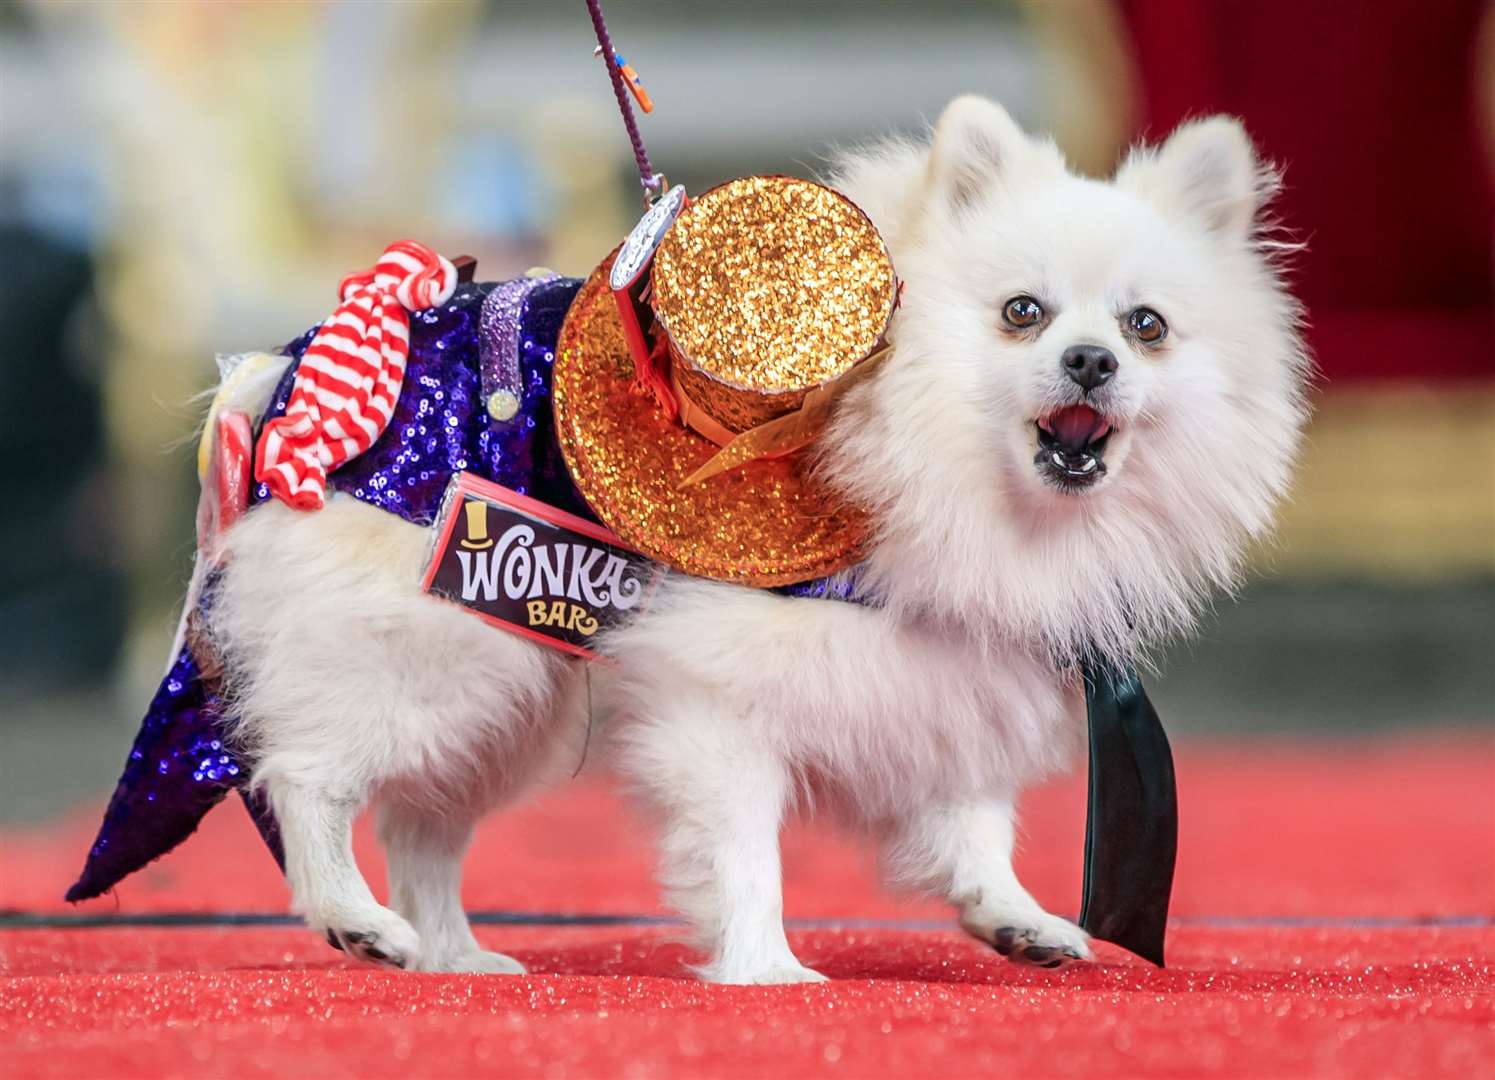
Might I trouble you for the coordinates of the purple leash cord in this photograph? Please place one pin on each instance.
(652, 182)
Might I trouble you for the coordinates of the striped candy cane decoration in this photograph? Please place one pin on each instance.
(349, 377)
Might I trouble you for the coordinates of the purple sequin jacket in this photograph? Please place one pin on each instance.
(476, 398)
(487, 341)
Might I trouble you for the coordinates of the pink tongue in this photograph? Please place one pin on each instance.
(1077, 425)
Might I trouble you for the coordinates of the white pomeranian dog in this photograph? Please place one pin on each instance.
(1093, 404)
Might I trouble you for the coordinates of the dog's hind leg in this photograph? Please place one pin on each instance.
(963, 851)
(316, 827)
(425, 846)
(723, 796)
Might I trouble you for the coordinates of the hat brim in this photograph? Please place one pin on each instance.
(766, 523)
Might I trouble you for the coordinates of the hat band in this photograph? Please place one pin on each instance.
(693, 415)
(772, 438)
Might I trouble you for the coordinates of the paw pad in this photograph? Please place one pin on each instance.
(1022, 947)
(364, 946)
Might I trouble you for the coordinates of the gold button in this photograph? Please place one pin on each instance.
(502, 405)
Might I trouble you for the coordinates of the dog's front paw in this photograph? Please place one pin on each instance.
(1030, 937)
(382, 938)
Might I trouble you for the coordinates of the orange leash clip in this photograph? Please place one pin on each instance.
(630, 77)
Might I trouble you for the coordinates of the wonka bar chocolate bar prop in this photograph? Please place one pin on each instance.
(532, 569)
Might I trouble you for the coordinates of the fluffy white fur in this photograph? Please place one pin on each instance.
(918, 720)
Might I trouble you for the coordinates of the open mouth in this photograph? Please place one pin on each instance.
(1072, 446)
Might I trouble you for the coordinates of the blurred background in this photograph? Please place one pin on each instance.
(184, 178)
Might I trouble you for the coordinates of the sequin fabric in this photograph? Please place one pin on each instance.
(845, 586)
(179, 768)
(441, 424)
(501, 339)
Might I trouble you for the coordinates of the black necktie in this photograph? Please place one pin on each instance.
(1131, 824)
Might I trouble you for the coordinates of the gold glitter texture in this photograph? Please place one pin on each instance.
(766, 523)
(768, 287)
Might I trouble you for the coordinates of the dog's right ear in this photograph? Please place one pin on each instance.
(975, 143)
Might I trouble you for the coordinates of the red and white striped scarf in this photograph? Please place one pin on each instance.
(350, 376)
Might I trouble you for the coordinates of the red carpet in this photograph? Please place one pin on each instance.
(1336, 917)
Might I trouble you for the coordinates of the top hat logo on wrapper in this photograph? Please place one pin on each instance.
(767, 299)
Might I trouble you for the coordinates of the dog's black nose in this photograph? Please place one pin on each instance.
(1089, 365)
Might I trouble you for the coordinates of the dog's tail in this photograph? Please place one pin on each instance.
(246, 384)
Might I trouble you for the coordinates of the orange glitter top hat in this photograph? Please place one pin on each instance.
(769, 296)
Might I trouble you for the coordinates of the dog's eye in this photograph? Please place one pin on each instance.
(1022, 312)
(1146, 325)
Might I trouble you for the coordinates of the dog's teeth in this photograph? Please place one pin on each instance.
(1088, 465)
(1057, 457)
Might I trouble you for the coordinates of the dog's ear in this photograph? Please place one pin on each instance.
(1207, 169)
(975, 144)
